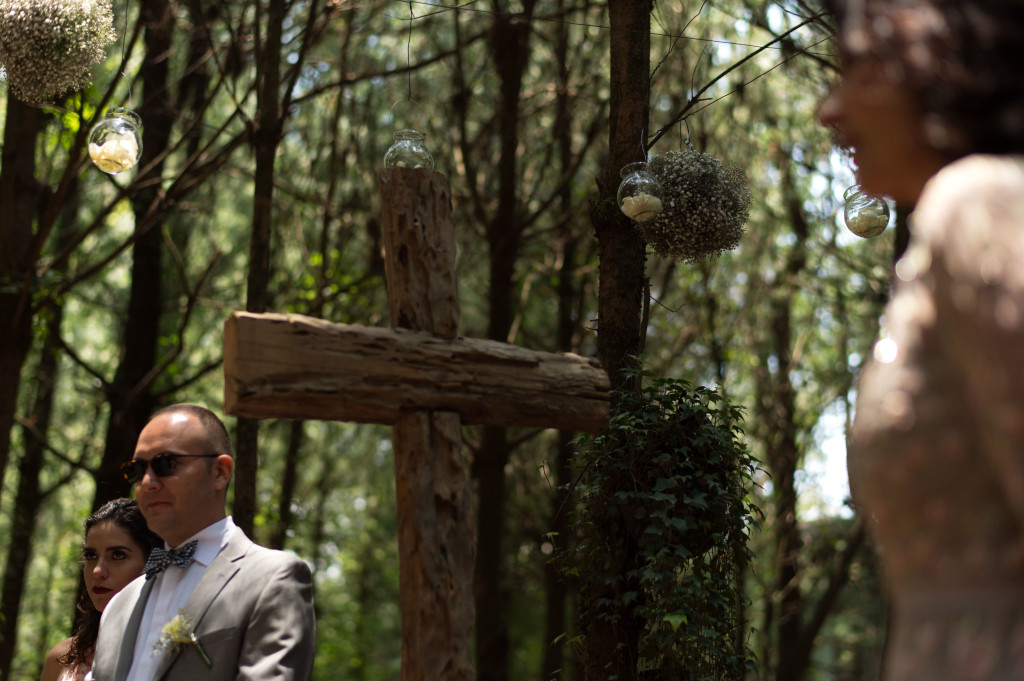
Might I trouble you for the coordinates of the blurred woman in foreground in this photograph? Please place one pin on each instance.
(932, 102)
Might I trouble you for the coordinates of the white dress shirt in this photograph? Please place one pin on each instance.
(171, 592)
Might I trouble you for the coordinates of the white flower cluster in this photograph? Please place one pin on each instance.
(48, 46)
(180, 631)
(705, 206)
(173, 634)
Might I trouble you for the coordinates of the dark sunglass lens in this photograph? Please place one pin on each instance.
(163, 465)
(133, 470)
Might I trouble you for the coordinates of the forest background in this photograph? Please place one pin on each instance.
(264, 129)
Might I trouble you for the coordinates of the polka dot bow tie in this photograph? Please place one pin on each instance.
(160, 558)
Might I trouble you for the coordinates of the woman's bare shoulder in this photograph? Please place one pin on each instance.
(52, 668)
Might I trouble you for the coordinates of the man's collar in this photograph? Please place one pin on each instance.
(212, 539)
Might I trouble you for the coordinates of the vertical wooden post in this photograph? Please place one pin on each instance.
(419, 251)
(435, 525)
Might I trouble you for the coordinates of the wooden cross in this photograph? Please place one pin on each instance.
(426, 383)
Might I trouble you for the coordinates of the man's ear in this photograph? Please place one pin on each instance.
(223, 466)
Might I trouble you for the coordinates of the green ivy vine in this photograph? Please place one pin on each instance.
(663, 520)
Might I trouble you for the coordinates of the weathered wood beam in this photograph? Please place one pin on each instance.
(291, 366)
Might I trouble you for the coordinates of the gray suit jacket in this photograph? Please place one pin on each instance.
(253, 614)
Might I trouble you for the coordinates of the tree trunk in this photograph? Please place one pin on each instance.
(783, 455)
(131, 393)
(510, 51)
(491, 593)
(270, 124)
(621, 270)
(555, 588)
(556, 595)
(610, 647)
(19, 196)
(29, 497)
(289, 480)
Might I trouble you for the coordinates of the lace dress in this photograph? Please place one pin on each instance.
(937, 460)
(74, 673)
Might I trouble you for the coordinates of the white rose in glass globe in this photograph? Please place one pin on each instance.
(866, 216)
(641, 207)
(869, 221)
(115, 155)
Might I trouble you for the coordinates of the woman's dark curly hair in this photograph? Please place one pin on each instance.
(125, 514)
(962, 59)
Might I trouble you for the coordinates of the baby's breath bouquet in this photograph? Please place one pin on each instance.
(48, 46)
(705, 206)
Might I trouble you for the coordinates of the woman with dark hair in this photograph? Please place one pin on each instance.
(932, 102)
(117, 544)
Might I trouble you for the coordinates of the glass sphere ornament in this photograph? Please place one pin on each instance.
(409, 150)
(639, 194)
(115, 143)
(866, 216)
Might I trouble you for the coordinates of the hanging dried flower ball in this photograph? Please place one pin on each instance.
(48, 46)
(705, 206)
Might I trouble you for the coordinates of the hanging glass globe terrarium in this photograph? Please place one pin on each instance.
(409, 150)
(115, 143)
(639, 194)
(866, 216)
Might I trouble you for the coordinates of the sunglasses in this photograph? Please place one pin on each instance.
(162, 464)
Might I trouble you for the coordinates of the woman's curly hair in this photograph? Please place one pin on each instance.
(961, 59)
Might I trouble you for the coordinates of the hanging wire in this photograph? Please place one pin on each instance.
(124, 49)
(408, 51)
(684, 122)
(405, 113)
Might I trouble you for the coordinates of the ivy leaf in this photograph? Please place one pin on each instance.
(676, 620)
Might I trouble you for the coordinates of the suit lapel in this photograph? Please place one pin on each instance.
(131, 633)
(223, 568)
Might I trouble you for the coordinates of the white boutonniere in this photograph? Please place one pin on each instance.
(179, 632)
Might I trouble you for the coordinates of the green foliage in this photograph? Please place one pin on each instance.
(664, 493)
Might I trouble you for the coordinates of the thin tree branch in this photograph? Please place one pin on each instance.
(695, 98)
(676, 38)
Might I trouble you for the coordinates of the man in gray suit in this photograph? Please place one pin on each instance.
(212, 605)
